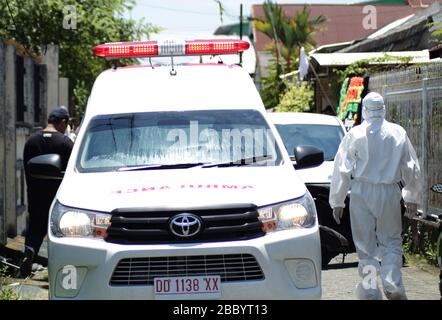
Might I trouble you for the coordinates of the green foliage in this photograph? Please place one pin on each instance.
(305, 28)
(272, 86)
(271, 26)
(97, 21)
(298, 97)
(425, 249)
(437, 31)
(289, 34)
(363, 66)
(430, 249)
(6, 293)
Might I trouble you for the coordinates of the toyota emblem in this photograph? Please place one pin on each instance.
(185, 225)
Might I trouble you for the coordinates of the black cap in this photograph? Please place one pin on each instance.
(59, 113)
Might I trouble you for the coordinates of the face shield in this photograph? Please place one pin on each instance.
(373, 114)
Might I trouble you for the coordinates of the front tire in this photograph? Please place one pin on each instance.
(327, 256)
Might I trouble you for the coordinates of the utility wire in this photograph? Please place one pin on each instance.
(10, 14)
(177, 10)
(16, 29)
(225, 12)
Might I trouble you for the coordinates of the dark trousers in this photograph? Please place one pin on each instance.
(37, 229)
(38, 208)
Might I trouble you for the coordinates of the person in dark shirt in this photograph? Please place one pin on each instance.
(41, 192)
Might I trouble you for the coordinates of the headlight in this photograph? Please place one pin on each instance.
(299, 213)
(71, 222)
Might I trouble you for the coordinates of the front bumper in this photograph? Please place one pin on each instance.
(277, 254)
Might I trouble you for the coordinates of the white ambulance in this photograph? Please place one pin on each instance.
(179, 187)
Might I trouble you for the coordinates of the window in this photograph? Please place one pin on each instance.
(325, 137)
(175, 137)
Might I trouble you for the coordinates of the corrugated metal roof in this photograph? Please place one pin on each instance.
(344, 59)
(344, 21)
(333, 47)
(389, 27)
(402, 32)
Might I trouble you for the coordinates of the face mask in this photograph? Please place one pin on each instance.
(373, 114)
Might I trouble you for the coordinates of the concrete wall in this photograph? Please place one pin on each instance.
(41, 92)
(10, 142)
(28, 91)
(2, 145)
(23, 130)
(63, 92)
(22, 135)
(43, 96)
(50, 59)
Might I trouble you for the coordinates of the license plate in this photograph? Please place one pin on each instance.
(200, 287)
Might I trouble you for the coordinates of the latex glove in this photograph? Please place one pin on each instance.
(337, 214)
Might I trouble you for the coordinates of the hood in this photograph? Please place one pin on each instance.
(180, 188)
(319, 174)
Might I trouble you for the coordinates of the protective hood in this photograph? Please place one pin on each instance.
(373, 106)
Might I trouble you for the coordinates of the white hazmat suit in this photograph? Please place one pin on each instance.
(372, 159)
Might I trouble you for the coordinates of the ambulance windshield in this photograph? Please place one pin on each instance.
(115, 142)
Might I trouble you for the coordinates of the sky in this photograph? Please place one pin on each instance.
(188, 17)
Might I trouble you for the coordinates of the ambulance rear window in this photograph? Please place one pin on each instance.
(112, 142)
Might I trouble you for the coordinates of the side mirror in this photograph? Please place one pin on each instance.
(308, 156)
(47, 166)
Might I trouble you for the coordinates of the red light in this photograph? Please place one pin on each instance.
(214, 47)
(127, 49)
(169, 48)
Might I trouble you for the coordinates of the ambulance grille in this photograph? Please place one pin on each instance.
(153, 227)
(230, 267)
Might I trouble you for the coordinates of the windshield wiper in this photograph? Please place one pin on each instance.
(239, 162)
(236, 163)
(162, 166)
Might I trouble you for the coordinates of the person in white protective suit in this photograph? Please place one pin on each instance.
(372, 159)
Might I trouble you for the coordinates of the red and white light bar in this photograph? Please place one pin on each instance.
(169, 48)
